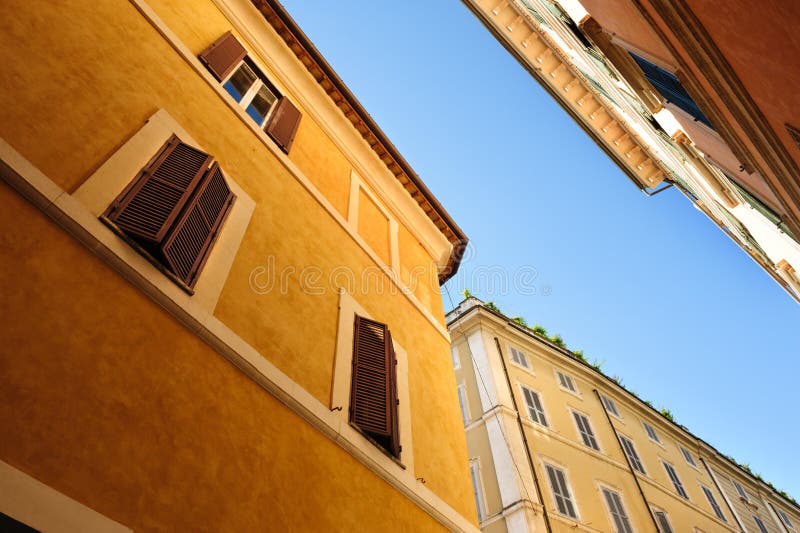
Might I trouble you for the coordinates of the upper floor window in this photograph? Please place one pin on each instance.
(713, 502)
(688, 456)
(462, 401)
(673, 476)
(519, 357)
(228, 62)
(456, 360)
(585, 430)
(566, 382)
(633, 457)
(663, 522)
(610, 406)
(622, 523)
(785, 519)
(740, 490)
(373, 392)
(561, 492)
(761, 527)
(651, 432)
(477, 488)
(174, 209)
(535, 409)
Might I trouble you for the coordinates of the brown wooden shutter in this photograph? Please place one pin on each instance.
(223, 55)
(149, 205)
(282, 125)
(190, 240)
(373, 397)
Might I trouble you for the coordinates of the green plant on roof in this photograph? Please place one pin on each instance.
(519, 320)
(666, 413)
(616, 379)
(492, 307)
(579, 355)
(466, 294)
(598, 365)
(540, 331)
(558, 340)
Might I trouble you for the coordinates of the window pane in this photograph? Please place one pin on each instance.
(238, 84)
(260, 105)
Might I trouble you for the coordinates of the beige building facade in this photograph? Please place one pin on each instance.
(555, 445)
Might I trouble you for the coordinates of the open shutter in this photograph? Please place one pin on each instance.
(188, 244)
(373, 396)
(148, 206)
(223, 54)
(282, 125)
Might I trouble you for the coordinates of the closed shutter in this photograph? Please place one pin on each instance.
(190, 240)
(146, 209)
(223, 55)
(282, 125)
(373, 396)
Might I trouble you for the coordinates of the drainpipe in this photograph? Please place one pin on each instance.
(724, 496)
(627, 460)
(524, 439)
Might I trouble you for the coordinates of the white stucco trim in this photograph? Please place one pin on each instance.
(75, 218)
(41, 507)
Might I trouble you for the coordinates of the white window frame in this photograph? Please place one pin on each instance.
(538, 395)
(688, 456)
(658, 511)
(638, 459)
(569, 497)
(479, 492)
(651, 433)
(740, 490)
(610, 406)
(677, 484)
(519, 358)
(560, 375)
(762, 527)
(712, 501)
(783, 517)
(252, 91)
(588, 423)
(463, 401)
(623, 508)
(456, 358)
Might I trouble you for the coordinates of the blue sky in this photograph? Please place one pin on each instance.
(648, 286)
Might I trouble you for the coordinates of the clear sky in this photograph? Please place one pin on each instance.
(648, 286)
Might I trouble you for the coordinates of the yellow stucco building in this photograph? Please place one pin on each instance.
(555, 445)
(219, 284)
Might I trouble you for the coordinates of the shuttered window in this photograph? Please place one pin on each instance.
(713, 502)
(633, 457)
(561, 493)
(673, 476)
(462, 401)
(586, 431)
(566, 382)
(610, 405)
(622, 523)
(688, 456)
(535, 409)
(519, 357)
(174, 208)
(761, 527)
(477, 488)
(741, 491)
(373, 395)
(651, 432)
(663, 522)
(785, 519)
(227, 60)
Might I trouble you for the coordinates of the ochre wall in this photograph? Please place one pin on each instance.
(151, 394)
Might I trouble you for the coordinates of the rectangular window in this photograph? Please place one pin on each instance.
(456, 360)
(477, 488)
(561, 493)
(713, 502)
(519, 357)
(585, 431)
(741, 491)
(535, 409)
(761, 527)
(688, 456)
(622, 523)
(610, 406)
(673, 476)
(633, 457)
(462, 400)
(651, 432)
(174, 209)
(373, 395)
(227, 60)
(566, 382)
(785, 519)
(663, 522)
